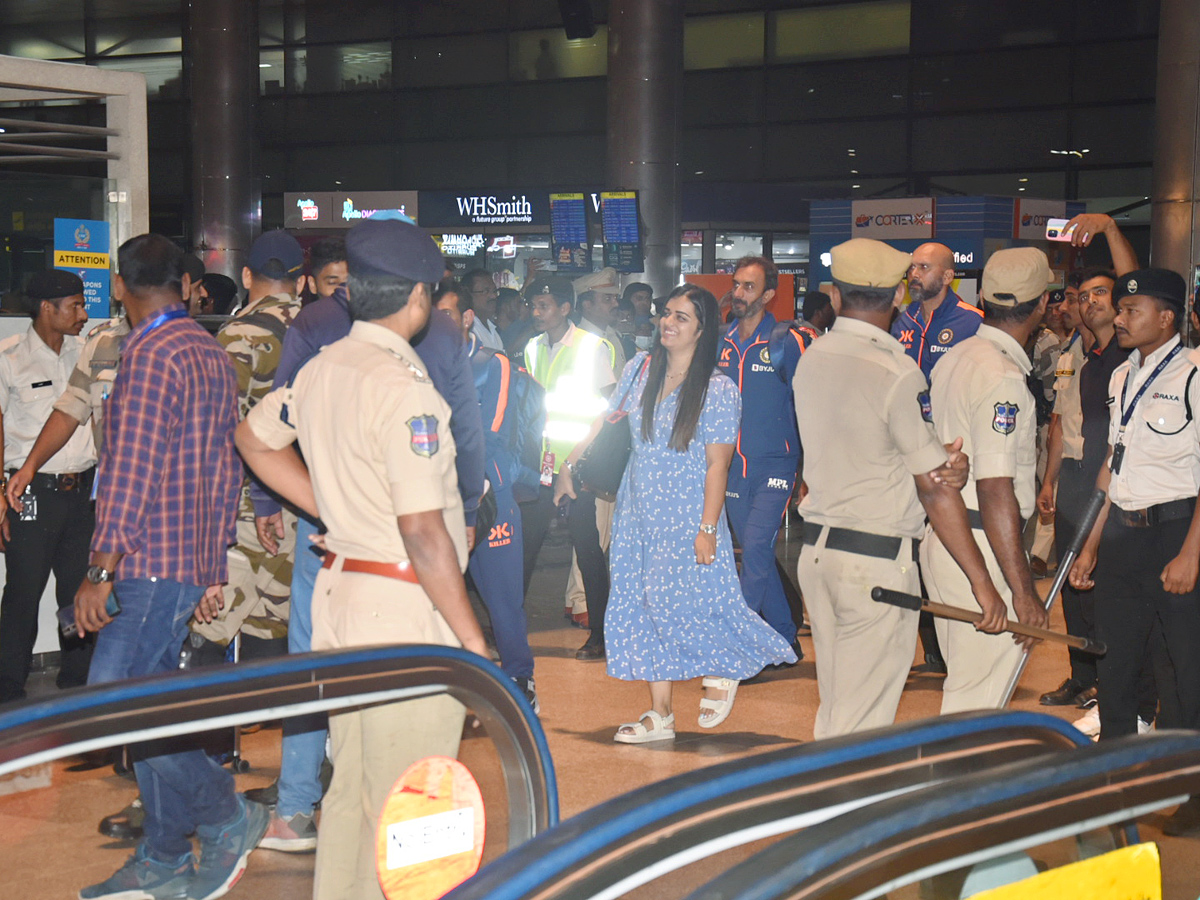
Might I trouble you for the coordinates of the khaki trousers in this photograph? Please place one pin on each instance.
(372, 747)
(864, 649)
(979, 665)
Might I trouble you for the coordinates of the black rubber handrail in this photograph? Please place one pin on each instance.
(167, 705)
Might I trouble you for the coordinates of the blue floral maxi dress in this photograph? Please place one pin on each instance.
(669, 618)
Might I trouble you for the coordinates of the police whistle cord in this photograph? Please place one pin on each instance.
(941, 610)
(1090, 513)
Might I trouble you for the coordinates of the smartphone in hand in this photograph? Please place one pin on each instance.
(66, 615)
(1056, 230)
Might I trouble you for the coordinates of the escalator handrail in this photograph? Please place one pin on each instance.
(201, 699)
(554, 854)
(818, 862)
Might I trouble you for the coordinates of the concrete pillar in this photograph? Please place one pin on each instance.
(223, 51)
(645, 79)
(1175, 213)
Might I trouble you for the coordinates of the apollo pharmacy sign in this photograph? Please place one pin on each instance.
(907, 218)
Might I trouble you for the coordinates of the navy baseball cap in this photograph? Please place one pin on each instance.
(53, 284)
(276, 255)
(377, 250)
(1161, 283)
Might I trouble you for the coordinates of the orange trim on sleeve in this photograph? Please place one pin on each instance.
(975, 309)
(502, 399)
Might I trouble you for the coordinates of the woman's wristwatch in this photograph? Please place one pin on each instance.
(708, 529)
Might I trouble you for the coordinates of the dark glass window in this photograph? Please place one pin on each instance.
(1117, 70)
(719, 42)
(998, 78)
(462, 59)
(941, 25)
(1115, 134)
(722, 98)
(869, 87)
(1003, 141)
(850, 30)
(722, 154)
(835, 149)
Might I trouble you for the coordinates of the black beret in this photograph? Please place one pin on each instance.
(1161, 283)
(53, 284)
(393, 249)
(556, 286)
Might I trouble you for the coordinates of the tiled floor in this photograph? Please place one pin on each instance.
(49, 846)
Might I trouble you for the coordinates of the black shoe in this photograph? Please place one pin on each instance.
(1063, 695)
(592, 650)
(798, 650)
(125, 825)
(935, 663)
(268, 796)
(1184, 820)
(1088, 697)
(803, 630)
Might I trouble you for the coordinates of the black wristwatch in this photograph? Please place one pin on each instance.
(99, 575)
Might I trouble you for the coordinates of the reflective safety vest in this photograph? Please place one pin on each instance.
(573, 400)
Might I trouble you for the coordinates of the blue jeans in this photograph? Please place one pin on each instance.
(303, 736)
(182, 787)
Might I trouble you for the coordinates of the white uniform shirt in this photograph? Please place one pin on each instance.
(32, 377)
(488, 334)
(1162, 440)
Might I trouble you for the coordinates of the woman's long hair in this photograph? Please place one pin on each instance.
(695, 386)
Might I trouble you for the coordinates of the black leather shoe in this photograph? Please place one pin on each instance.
(591, 651)
(125, 825)
(1088, 697)
(1063, 695)
(1184, 820)
(935, 663)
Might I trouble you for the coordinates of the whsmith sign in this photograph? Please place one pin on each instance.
(910, 217)
(451, 209)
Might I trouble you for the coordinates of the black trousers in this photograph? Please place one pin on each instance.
(1140, 622)
(585, 538)
(56, 541)
(1075, 485)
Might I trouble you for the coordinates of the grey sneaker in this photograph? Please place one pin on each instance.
(144, 877)
(225, 848)
(295, 835)
(530, 691)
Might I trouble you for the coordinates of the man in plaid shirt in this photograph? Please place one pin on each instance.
(167, 503)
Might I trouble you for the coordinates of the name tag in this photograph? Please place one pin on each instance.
(41, 384)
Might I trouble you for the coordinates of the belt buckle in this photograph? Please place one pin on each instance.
(1135, 518)
(68, 481)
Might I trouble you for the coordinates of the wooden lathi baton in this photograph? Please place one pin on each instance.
(909, 601)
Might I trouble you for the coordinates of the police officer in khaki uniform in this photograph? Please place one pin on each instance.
(375, 435)
(874, 467)
(980, 393)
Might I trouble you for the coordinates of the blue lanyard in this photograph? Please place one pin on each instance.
(158, 320)
(1127, 413)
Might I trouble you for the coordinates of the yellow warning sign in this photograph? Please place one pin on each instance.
(74, 259)
(1131, 873)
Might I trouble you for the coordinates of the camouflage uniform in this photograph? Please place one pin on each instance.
(91, 382)
(256, 598)
(1044, 356)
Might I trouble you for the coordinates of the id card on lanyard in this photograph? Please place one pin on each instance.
(1118, 453)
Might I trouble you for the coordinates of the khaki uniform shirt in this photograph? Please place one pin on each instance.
(862, 407)
(255, 346)
(376, 437)
(91, 382)
(1162, 440)
(1066, 397)
(614, 342)
(980, 394)
(32, 377)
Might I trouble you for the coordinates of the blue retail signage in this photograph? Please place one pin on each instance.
(81, 246)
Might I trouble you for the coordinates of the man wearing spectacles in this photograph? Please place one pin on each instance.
(483, 296)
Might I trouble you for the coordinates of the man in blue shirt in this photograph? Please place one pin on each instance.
(767, 453)
(937, 318)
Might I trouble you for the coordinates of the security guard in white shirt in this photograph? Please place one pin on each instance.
(1145, 546)
(53, 529)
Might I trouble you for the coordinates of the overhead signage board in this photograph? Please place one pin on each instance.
(622, 236)
(345, 209)
(1030, 217)
(81, 246)
(452, 209)
(908, 217)
(569, 247)
(460, 244)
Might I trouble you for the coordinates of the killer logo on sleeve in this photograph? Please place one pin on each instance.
(424, 435)
(1005, 419)
(926, 406)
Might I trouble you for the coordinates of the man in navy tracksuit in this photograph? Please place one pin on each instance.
(767, 454)
(937, 318)
(497, 563)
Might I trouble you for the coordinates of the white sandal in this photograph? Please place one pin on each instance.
(661, 729)
(720, 708)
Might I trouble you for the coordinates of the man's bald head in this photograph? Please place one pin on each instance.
(931, 272)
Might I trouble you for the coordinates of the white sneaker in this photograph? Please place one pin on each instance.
(1089, 722)
(1144, 727)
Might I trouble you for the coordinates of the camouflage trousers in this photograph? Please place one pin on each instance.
(257, 595)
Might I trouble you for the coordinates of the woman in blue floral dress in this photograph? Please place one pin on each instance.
(675, 608)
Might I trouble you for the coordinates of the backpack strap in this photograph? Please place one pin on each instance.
(271, 323)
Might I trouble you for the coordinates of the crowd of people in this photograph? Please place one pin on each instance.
(443, 426)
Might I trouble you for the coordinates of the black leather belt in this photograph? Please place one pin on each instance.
(1072, 463)
(861, 542)
(67, 481)
(1157, 514)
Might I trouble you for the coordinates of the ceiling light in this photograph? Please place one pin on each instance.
(264, 65)
(1022, 180)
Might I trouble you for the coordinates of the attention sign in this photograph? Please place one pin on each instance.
(81, 246)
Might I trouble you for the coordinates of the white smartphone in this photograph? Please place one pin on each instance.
(1056, 230)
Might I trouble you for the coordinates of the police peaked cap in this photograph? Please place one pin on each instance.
(1160, 283)
(381, 250)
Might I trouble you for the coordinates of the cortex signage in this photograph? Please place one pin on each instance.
(910, 217)
(81, 246)
(1030, 217)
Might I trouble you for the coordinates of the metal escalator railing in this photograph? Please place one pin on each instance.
(216, 697)
(978, 817)
(617, 846)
